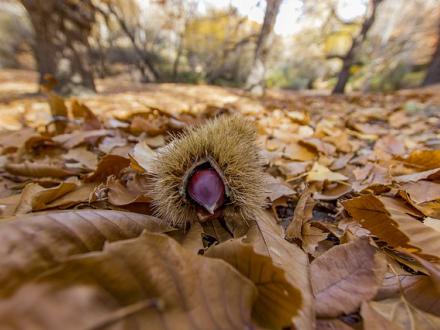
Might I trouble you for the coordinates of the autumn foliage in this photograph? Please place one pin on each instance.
(347, 235)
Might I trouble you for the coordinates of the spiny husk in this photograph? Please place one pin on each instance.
(231, 143)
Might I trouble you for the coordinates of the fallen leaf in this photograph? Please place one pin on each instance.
(82, 158)
(38, 170)
(303, 213)
(404, 315)
(35, 197)
(345, 276)
(277, 301)
(178, 289)
(267, 238)
(374, 320)
(111, 142)
(388, 219)
(424, 196)
(52, 236)
(277, 189)
(80, 110)
(71, 140)
(108, 165)
(322, 173)
(423, 159)
(143, 155)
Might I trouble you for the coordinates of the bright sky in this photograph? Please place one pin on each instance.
(288, 18)
(290, 11)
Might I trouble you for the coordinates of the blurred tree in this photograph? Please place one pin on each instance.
(125, 13)
(218, 46)
(349, 58)
(61, 49)
(255, 79)
(433, 73)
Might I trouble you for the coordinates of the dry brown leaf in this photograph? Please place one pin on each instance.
(374, 320)
(423, 159)
(45, 239)
(424, 196)
(298, 152)
(388, 219)
(108, 165)
(143, 155)
(277, 189)
(175, 288)
(68, 141)
(303, 213)
(267, 238)
(278, 301)
(418, 290)
(111, 142)
(404, 315)
(80, 110)
(332, 324)
(311, 237)
(35, 197)
(38, 170)
(119, 194)
(414, 177)
(82, 158)
(82, 194)
(321, 173)
(10, 141)
(320, 146)
(345, 276)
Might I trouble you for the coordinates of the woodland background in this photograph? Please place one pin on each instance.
(330, 45)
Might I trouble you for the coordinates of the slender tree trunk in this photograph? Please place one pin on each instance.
(176, 62)
(145, 65)
(61, 45)
(433, 73)
(349, 58)
(255, 80)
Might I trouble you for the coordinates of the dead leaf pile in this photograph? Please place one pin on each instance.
(350, 238)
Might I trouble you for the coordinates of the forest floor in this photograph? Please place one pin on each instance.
(350, 237)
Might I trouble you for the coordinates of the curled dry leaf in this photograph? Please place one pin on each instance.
(345, 276)
(389, 220)
(35, 197)
(172, 288)
(80, 110)
(108, 165)
(424, 196)
(52, 236)
(120, 194)
(303, 213)
(278, 301)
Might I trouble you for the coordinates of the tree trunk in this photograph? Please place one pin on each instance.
(349, 58)
(61, 47)
(255, 80)
(145, 65)
(433, 73)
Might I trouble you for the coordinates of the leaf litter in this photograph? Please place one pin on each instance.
(350, 237)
